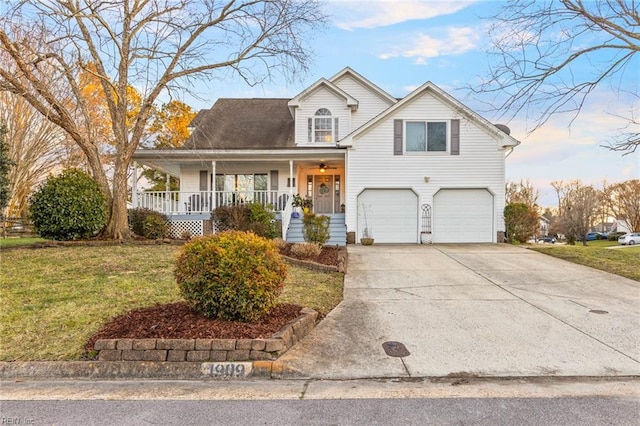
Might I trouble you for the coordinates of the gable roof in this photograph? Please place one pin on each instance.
(323, 82)
(507, 140)
(363, 81)
(243, 124)
(196, 120)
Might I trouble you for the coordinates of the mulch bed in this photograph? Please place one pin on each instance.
(178, 321)
(328, 255)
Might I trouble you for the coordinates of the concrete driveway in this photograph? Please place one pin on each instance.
(480, 310)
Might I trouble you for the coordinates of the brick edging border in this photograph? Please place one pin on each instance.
(200, 350)
(341, 267)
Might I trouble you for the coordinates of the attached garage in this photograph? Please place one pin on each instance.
(391, 215)
(463, 216)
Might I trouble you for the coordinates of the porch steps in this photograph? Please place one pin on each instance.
(337, 230)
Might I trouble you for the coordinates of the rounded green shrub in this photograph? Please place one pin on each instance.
(68, 207)
(306, 250)
(148, 223)
(252, 217)
(155, 226)
(233, 275)
(316, 228)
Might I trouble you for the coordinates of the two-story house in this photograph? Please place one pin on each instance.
(404, 169)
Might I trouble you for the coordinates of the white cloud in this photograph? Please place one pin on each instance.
(452, 41)
(457, 40)
(379, 13)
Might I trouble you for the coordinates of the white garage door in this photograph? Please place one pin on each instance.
(391, 214)
(463, 216)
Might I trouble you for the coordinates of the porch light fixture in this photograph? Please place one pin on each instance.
(323, 168)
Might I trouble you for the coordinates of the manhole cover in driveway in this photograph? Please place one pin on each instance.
(396, 349)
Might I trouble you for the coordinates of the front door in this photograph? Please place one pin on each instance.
(323, 194)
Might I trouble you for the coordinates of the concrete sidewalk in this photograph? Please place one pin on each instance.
(473, 310)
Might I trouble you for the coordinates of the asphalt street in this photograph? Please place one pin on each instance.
(448, 411)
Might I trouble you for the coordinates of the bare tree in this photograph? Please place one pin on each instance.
(521, 192)
(623, 200)
(578, 206)
(160, 47)
(539, 47)
(34, 145)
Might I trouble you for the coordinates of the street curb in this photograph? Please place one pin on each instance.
(267, 370)
(130, 370)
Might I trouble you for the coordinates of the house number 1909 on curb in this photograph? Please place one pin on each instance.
(226, 369)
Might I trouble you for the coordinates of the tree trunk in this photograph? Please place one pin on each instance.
(117, 221)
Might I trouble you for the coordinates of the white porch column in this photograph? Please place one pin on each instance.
(167, 194)
(213, 186)
(291, 177)
(134, 186)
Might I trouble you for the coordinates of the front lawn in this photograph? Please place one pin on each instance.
(19, 241)
(620, 261)
(54, 299)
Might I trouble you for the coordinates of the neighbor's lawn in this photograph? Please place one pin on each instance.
(54, 299)
(621, 261)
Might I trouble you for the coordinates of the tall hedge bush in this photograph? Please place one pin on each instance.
(252, 217)
(68, 207)
(316, 228)
(233, 275)
(521, 221)
(148, 223)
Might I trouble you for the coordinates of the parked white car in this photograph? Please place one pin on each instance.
(630, 239)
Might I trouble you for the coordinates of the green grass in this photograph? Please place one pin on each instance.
(14, 242)
(54, 299)
(321, 291)
(621, 261)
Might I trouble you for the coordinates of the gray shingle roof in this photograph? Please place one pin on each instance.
(243, 124)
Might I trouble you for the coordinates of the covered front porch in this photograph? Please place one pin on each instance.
(235, 178)
(182, 203)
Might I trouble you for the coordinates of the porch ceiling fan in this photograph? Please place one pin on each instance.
(323, 167)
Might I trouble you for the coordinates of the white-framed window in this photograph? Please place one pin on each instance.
(322, 127)
(426, 136)
(241, 188)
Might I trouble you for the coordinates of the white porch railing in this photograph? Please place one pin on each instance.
(202, 202)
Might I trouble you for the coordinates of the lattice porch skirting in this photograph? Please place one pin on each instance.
(177, 228)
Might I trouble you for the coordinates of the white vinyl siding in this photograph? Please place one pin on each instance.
(321, 98)
(372, 163)
(370, 104)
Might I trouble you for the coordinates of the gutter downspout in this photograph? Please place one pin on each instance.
(509, 153)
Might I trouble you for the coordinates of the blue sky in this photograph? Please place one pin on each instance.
(399, 45)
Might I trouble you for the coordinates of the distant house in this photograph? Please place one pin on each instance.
(616, 225)
(544, 225)
(398, 167)
(620, 225)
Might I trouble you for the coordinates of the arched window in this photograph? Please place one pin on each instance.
(323, 127)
